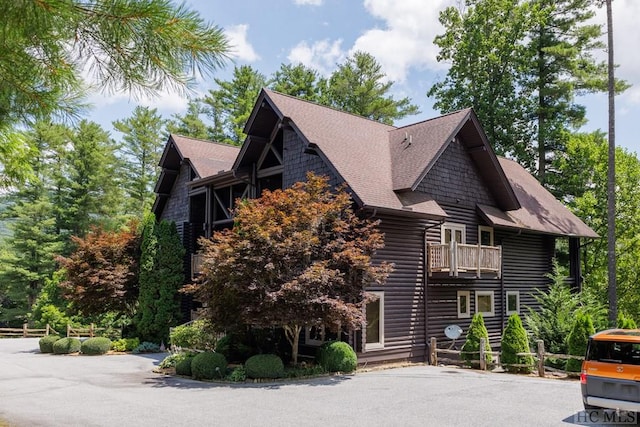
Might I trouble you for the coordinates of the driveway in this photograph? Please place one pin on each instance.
(121, 390)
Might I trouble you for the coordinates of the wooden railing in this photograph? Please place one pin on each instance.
(455, 258)
(196, 265)
(26, 332)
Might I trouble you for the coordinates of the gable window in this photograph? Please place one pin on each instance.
(484, 303)
(464, 304)
(453, 232)
(375, 323)
(485, 235)
(314, 335)
(513, 302)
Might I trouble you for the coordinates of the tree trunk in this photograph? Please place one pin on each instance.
(611, 179)
(292, 332)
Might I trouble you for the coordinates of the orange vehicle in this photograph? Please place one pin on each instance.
(610, 376)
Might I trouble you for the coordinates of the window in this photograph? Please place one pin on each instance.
(314, 335)
(375, 323)
(484, 303)
(485, 235)
(464, 304)
(513, 302)
(451, 231)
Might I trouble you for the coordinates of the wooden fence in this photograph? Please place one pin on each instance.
(26, 332)
(539, 356)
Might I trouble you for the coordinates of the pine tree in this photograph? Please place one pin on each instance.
(514, 341)
(577, 341)
(471, 347)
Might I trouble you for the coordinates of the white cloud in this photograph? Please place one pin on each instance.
(321, 56)
(240, 46)
(308, 2)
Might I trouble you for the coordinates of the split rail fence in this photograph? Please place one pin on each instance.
(26, 332)
(539, 356)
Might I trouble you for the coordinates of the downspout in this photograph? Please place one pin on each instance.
(425, 273)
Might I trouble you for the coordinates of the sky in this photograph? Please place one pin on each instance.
(399, 34)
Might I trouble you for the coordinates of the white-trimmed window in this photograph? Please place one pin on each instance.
(464, 304)
(452, 231)
(314, 335)
(513, 302)
(485, 235)
(375, 322)
(485, 303)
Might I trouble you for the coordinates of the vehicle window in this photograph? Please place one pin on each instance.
(614, 352)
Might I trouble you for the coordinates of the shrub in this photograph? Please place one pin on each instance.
(125, 344)
(264, 366)
(625, 322)
(147, 347)
(183, 364)
(304, 371)
(46, 343)
(97, 345)
(337, 356)
(238, 374)
(515, 340)
(172, 360)
(578, 339)
(196, 335)
(67, 345)
(208, 365)
(471, 348)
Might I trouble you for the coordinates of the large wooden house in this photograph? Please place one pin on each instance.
(467, 231)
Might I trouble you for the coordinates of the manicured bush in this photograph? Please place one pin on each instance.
(337, 356)
(147, 347)
(183, 365)
(471, 348)
(96, 345)
(67, 345)
(515, 340)
(197, 335)
(125, 344)
(578, 339)
(46, 343)
(264, 366)
(208, 365)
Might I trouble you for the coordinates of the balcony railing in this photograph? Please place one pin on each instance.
(455, 258)
(196, 265)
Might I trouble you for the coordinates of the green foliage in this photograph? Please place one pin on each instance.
(125, 344)
(171, 360)
(183, 365)
(147, 347)
(161, 275)
(515, 340)
(208, 366)
(304, 371)
(67, 345)
(297, 80)
(577, 341)
(50, 308)
(46, 343)
(625, 322)
(96, 345)
(264, 366)
(471, 347)
(190, 123)
(198, 335)
(238, 375)
(337, 356)
(278, 267)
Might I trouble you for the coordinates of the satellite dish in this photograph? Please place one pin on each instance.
(453, 331)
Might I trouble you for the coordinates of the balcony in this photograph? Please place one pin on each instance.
(458, 259)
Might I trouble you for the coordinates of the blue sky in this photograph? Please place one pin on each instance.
(321, 33)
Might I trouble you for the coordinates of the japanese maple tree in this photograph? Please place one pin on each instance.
(294, 258)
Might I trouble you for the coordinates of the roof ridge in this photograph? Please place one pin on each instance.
(206, 141)
(435, 118)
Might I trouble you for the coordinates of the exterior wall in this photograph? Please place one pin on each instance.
(177, 207)
(297, 163)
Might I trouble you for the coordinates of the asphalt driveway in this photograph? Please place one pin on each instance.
(46, 390)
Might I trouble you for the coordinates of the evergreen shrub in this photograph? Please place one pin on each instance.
(471, 348)
(208, 365)
(183, 364)
(67, 345)
(578, 339)
(337, 356)
(46, 343)
(515, 340)
(96, 345)
(264, 366)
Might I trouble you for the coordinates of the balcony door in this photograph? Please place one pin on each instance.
(453, 232)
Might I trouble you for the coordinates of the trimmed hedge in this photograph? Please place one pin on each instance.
(577, 341)
(46, 343)
(208, 365)
(264, 366)
(471, 348)
(337, 356)
(67, 345)
(96, 345)
(183, 365)
(514, 341)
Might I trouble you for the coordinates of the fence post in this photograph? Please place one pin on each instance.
(47, 330)
(25, 331)
(433, 351)
(540, 358)
(91, 329)
(68, 330)
(483, 361)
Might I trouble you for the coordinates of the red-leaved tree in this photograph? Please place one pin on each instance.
(102, 271)
(294, 258)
